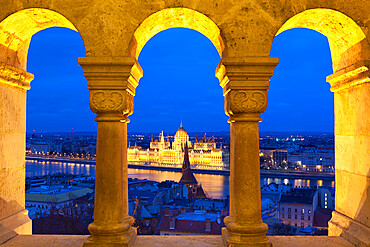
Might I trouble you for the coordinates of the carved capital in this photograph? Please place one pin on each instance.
(112, 82)
(111, 104)
(245, 81)
(245, 101)
(15, 77)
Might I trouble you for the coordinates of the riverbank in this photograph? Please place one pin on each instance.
(264, 173)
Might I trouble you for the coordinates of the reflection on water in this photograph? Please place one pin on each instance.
(216, 186)
(36, 168)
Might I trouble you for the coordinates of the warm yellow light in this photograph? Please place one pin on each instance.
(171, 18)
(17, 29)
(341, 31)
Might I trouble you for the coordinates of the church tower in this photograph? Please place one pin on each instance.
(188, 178)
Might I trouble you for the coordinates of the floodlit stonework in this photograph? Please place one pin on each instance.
(203, 153)
(115, 31)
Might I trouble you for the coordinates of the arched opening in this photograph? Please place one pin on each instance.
(174, 98)
(300, 118)
(180, 84)
(171, 18)
(58, 100)
(178, 17)
(299, 98)
(17, 29)
(343, 33)
(350, 53)
(178, 66)
(16, 32)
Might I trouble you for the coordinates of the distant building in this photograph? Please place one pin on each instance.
(322, 217)
(297, 207)
(274, 191)
(35, 182)
(43, 148)
(188, 178)
(45, 200)
(279, 157)
(314, 159)
(202, 153)
(325, 199)
(318, 160)
(295, 158)
(191, 223)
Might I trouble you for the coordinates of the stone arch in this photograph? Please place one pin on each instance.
(350, 53)
(16, 32)
(171, 18)
(342, 32)
(176, 18)
(18, 28)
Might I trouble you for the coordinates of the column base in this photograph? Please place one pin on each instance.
(232, 239)
(18, 223)
(351, 230)
(125, 240)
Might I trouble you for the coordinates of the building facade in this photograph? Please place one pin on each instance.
(202, 153)
(318, 160)
(297, 207)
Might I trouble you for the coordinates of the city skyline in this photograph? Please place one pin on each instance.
(58, 49)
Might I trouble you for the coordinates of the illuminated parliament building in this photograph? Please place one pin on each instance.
(202, 153)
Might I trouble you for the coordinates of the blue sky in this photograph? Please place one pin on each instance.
(179, 82)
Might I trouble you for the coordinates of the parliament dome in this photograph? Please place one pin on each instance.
(181, 132)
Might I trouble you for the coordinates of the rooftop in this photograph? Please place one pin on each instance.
(55, 194)
(198, 215)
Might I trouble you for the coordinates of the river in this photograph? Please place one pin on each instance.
(216, 186)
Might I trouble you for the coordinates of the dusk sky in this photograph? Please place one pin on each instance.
(179, 82)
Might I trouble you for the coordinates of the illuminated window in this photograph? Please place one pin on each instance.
(302, 211)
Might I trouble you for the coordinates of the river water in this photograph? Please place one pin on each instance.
(216, 186)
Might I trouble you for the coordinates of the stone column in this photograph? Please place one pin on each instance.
(112, 83)
(14, 219)
(351, 87)
(245, 82)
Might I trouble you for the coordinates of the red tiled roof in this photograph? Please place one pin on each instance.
(191, 226)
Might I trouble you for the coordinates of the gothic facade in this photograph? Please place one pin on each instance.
(202, 154)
